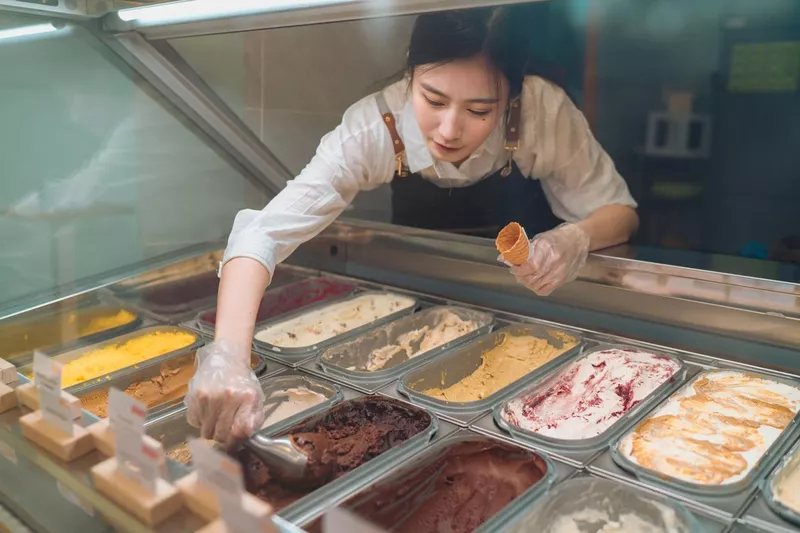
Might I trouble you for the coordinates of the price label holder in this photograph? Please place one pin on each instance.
(336, 520)
(132, 478)
(28, 394)
(52, 426)
(8, 376)
(8, 373)
(215, 491)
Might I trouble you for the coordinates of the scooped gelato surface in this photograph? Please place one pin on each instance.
(297, 400)
(171, 384)
(447, 326)
(333, 319)
(715, 429)
(455, 491)
(338, 441)
(589, 395)
(513, 358)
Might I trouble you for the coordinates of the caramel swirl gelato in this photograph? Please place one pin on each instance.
(714, 430)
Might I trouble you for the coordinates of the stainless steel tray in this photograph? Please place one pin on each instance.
(281, 300)
(76, 354)
(24, 357)
(172, 430)
(143, 374)
(291, 379)
(611, 433)
(581, 493)
(311, 504)
(429, 456)
(146, 373)
(767, 460)
(788, 465)
(350, 360)
(295, 355)
(461, 362)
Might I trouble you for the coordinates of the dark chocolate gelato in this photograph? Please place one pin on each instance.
(337, 441)
(454, 491)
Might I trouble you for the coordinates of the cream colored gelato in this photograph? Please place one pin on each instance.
(504, 364)
(448, 327)
(714, 430)
(333, 320)
(787, 485)
(298, 399)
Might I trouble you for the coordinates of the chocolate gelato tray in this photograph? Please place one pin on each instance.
(588, 504)
(469, 380)
(161, 387)
(298, 336)
(462, 483)
(592, 400)
(363, 438)
(80, 370)
(381, 355)
(278, 301)
(52, 331)
(702, 441)
(174, 432)
(781, 489)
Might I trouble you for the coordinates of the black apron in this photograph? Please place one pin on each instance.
(482, 209)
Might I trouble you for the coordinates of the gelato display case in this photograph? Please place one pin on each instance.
(646, 395)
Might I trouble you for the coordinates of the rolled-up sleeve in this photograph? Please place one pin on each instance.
(577, 175)
(348, 159)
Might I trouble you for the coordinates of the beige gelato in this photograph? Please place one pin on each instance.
(787, 485)
(502, 365)
(298, 399)
(332, 320)
(449, 327)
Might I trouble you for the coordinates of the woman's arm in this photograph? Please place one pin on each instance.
(610, 225)
(243, 283)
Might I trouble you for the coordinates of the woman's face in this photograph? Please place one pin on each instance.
(457, 105)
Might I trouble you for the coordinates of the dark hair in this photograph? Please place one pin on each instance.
(501, 34)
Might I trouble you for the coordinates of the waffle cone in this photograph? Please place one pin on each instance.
(513, 245)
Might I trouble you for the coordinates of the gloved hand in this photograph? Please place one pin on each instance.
(555, 258)
(225, 399)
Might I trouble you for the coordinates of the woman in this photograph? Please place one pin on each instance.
(464, 112)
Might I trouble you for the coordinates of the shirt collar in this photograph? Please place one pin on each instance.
(417, 153)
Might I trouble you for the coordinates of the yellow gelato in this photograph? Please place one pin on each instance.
(502, 365)
(25, 337)
(113, 357)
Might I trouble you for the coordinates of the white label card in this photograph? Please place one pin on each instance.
(47, 376)
(125, 412)
(239, 520)
(337, 520)
(216, 470)
(137, 460)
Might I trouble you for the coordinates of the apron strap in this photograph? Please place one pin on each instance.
(397, 142)
(512, 133)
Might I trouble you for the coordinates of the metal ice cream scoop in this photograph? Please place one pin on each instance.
(281, 455)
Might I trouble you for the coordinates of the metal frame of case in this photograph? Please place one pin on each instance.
(711, 319)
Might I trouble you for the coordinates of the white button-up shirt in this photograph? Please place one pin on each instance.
(555, 146)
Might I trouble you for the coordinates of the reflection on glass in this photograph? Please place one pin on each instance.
(98, 173)
(696, 104)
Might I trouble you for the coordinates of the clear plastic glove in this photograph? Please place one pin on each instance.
(225, 399)
(555, 258)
